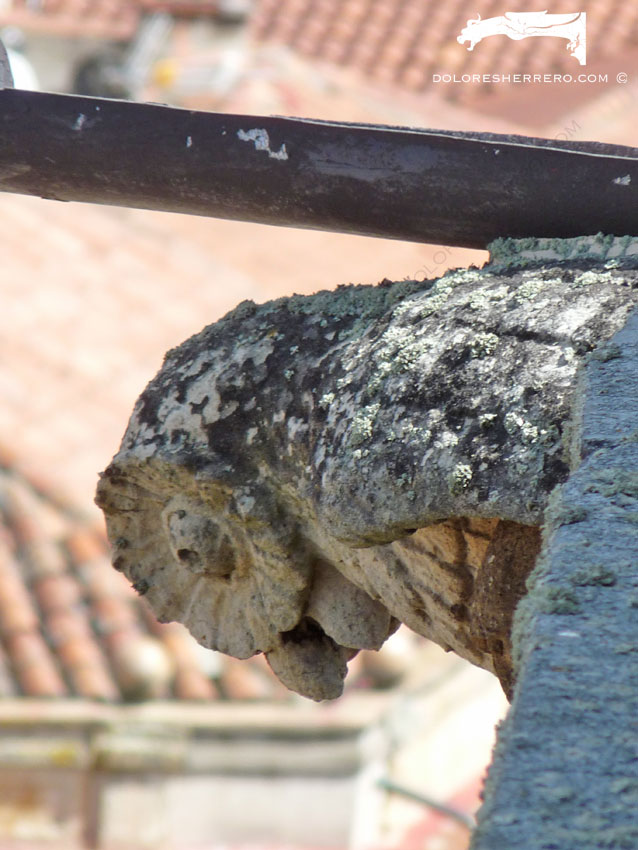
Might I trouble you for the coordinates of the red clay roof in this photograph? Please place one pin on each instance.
(107, 19)
(404, 43)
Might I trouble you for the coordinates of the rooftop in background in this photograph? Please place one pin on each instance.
(103, 19)
(114, 20)
(403, 44)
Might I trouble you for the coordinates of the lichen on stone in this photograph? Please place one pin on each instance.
(304, 474)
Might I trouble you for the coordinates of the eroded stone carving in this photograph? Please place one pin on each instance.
(303, 475)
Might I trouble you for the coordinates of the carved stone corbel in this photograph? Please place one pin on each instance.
(303, 475)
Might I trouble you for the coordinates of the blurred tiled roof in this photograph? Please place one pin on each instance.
(108, 19)
(402, 42)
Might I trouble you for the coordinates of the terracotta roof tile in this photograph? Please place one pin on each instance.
(56, 592)
(113, 19)
(84, 546)
(34, 667)
(94, 682)
(17, 612)
(8, 686)
(43, 558)
(65, 626)
(113, 613)
(191, 685)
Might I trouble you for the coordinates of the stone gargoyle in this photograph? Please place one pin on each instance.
(303, 475)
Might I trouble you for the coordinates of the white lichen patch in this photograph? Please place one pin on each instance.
(407, 431)
(326, 399)
(484, 344)
(228, 409)
(529, 289)
(486, 420)
(446, 440)
(517, 425)
(575, 317)
(438, 295)
(589, 278)
(458, 276)
(482, 299)
(362, 424)
(460, 478)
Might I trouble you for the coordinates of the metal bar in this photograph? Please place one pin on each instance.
(399, 183)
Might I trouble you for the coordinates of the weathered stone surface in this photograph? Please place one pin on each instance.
(565, 769)
(302, 475)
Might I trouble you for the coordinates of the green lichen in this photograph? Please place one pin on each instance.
(510, 252)
(517, 425)
(483, 298)
(437, 296)
(407, 431)
(529, 289)
(589, 278)
(460, 478)
(362, 424)
(472, 275)
(484, 344)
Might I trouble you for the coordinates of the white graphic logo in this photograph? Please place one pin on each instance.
(519, 25)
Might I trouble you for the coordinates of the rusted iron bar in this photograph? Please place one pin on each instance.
(399, 183)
